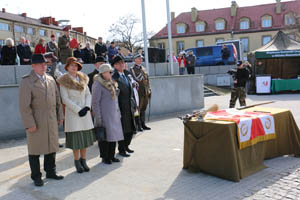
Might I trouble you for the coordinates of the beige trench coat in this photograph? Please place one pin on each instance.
(40, 106)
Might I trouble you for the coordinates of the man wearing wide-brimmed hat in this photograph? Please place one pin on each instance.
(41, 113)
(127, 104)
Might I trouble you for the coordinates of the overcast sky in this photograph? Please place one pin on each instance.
(96, 16)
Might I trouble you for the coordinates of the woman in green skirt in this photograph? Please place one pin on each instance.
(79, 126)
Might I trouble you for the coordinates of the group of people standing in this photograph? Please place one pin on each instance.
(100, 103)
(186, 61)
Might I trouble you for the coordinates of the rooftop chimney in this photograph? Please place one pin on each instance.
(234, 7)
(194, 14)
(3, 10)
(278, 6)
(24, 14)
(172, 15)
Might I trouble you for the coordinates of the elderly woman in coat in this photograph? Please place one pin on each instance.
(106, 112)
(77, 98)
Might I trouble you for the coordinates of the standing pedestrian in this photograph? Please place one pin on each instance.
(225, 54)
(239, 91)
(98, 62)
(41, 113)
(107, 113)
(8, 53)
(100, 48)
(64, 46)
(141, 76)
(51, 46)
(190, 63)
(88, 54)
(40, 48)
(126, 104)
(112, 52)
(182, 63)
(24, 52)
(78, 121)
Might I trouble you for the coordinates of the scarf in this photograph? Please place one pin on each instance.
(110, 85)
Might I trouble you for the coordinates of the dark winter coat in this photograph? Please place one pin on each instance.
(100, 49)
(91, 77)
(191, 59)
(88, 56)
(24, 52)
(78, 53)
(127, 103)
(225, 53)
(8, 55)
(111, 53)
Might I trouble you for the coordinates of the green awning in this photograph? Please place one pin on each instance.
(277, 54)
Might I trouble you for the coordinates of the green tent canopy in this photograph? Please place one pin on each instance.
(281, 46)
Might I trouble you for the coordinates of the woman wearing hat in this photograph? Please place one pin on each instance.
(106, 112)
(78, 121)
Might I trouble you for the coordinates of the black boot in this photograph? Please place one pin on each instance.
(78, 166)
(143, 119)
(38, 182)
(129, 150)
(84, 165)
(138, 124)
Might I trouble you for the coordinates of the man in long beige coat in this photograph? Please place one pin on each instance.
(41, 113)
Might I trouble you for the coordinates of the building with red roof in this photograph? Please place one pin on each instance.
(253, 25)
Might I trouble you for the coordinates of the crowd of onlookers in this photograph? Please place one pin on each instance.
(11, 54)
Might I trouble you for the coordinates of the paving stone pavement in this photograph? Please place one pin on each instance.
(153, 172)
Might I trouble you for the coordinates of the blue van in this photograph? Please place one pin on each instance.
(211, 55)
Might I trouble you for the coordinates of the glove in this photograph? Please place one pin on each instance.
(83, 111)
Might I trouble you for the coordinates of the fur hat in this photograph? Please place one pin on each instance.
(105, 68)
(71, 60)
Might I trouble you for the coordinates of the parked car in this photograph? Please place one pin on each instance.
(211, 55)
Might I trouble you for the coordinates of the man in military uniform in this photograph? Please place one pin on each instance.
(41, 114)
(64, 46)
(241, 77)
(141, 76)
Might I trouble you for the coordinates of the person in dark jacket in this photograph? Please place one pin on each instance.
(112, 52)
(126, 103)
(190, 63)
(100, 48)
(238, 91)
(88, 54)
(8, 53)
(225, 54)
(99, 61)
(78, 53)
(51, 46)
(24, 52)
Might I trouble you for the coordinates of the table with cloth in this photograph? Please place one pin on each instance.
(279, 85)
(212, 146)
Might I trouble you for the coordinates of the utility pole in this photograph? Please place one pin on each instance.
(145, 35)
(170, 38)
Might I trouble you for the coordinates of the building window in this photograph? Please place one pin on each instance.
(200, 26)
(266, 39)
(58, 34)
(30, 31)
(266, 21)
(220, 24)
(199, 43)
(4, 27)
(245, 44)
(180, 28)
(244, 24)
(161, 45)
(42, 32)
(219, 40)
(19, 29)
(289, 19)
(180, 47)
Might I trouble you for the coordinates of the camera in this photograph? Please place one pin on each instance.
(232, 72)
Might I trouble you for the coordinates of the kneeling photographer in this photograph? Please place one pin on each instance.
(240, 77)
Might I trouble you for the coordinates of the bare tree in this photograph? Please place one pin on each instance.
(124, 31)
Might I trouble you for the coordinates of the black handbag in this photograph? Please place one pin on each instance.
(100, 133)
